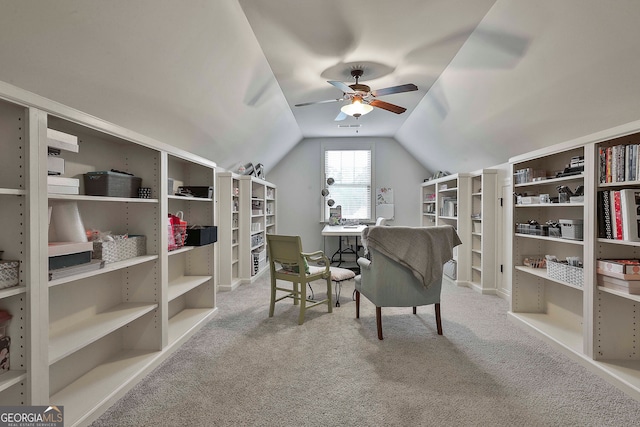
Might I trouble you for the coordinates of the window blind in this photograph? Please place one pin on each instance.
(351, 171)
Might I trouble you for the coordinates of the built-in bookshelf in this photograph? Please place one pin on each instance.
(446, 201)
(18, 244)
(483, 204)
(588, 320)
(616, 167)
(82, 340)
(548, 303)
(257, 218)
(230, 249)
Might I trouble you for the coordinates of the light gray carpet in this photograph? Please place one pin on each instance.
(245, 368)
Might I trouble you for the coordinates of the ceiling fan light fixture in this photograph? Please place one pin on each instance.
(357, 108)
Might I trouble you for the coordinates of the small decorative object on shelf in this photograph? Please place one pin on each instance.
(534, 261)
(144, 192)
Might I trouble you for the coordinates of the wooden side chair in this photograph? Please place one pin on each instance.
(288, 263)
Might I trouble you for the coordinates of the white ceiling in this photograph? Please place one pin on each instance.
(220, 78)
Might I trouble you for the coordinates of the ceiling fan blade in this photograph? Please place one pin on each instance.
(394, 89)
(319, 102)
(341, 116)
(340, 85)
(389, 107)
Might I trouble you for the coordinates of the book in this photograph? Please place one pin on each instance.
(616, 215)
(606, 207)
(66, 248)
(61, 261)
(602, 233)
(95, 264)
(630, 210)
(62, 141)
(630, 286)
(60, 180)
(618, 275)
(62, 189)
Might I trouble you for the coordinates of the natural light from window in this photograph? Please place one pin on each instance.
(351, 172)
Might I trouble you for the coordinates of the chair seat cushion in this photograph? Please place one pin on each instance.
(337, 274)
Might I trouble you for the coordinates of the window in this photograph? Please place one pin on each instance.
(351, 172)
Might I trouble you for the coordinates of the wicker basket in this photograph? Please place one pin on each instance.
(120, 249)
(9, 272)
(566, 273)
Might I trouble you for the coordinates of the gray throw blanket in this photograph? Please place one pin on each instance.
(423, 250)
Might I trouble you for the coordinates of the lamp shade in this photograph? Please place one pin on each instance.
(356, 108)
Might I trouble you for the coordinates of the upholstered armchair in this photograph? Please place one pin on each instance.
(405, 268)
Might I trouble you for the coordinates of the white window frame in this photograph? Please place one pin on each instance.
(346, 146)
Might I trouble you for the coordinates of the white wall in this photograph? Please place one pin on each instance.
(298, 174)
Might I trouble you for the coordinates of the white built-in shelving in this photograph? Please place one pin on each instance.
(229, 246)
(82, 341)
(593, 324)
(483, 204)
(18, 244)
(445, 201)
(257, 218)
(556, 307)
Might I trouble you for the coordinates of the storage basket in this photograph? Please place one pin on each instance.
(120, 249)
(259, 260)
(9, 272)
(200, 235)
(571, 228)
(566, 273)
(111, 184)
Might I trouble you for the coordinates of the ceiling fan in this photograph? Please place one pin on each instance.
(362, 98)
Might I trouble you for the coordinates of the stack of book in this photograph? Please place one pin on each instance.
(70, 258)
(619, 163)
(619, 214)
(620, 274)
(57, 142)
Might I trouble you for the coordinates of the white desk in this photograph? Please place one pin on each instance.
(341, 231)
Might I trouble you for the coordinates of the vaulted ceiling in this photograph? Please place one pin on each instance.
(495, 78)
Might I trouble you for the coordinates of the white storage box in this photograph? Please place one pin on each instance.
(571, 228)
